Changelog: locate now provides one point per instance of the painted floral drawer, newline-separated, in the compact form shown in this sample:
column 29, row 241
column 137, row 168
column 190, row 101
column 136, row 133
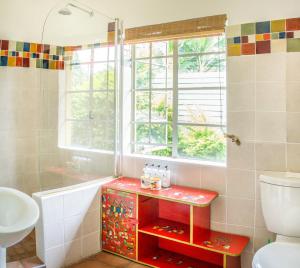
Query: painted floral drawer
column 119, row 222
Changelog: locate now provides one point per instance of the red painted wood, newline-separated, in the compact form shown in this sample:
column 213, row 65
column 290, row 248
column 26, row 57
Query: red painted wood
column 233, row 262
column 176, row 193
column 174, row 211
column 119, row 223
column 201, row 217
column 226, row 243
column 148, row 210
column 155, row 254
column 176, row 231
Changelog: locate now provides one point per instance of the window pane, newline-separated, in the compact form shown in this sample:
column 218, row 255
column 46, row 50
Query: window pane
column 111, row 76
column 162, row 73
column 158, row 134
column 103, row 105
column 201, row 142
column 142, row 106
column 142, row 74
column 111, row 52
column 78, row 134
column 201, row 71
column 142, row 50
column 159, row 49
column 160, row 103
column 103, row 135
column 201, row 45
column 202, row 106
column 78, row 105
column 80, row 77
column 142, row 133
column 154, row 150
column 100, row 76
column 80, row 56
column 101, row 54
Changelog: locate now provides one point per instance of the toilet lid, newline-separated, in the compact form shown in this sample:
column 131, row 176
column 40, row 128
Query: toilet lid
column 277, row 255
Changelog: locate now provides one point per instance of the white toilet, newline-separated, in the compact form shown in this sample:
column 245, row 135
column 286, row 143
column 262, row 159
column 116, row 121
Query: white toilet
column 280, row 197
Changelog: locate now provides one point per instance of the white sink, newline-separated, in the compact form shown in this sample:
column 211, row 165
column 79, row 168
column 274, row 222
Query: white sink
column 18, row 216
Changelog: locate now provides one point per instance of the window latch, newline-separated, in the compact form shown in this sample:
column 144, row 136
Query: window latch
column 233, row 138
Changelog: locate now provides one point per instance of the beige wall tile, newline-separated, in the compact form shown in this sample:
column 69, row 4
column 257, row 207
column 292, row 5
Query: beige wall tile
column 240, row 212
column 270, row 68
column 293, row 63
column 246, row 260
column 214, row 178
column 241, row 69
column 240, row 156
column 240, row 183
column 293, row 157
column 218, row 210
column 233, row 30
column 271, row 156
column 259, row 218
column 240, row 97
column 262, row 237
column 217, row 226
column 270, row 96
column 293, row 127
column 270, row 126
column 188, row 175
column 241, row 124
column 293, row 97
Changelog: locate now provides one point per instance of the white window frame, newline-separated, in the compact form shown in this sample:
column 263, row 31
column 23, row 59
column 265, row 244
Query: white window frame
column 175, row 91
column 64, row 137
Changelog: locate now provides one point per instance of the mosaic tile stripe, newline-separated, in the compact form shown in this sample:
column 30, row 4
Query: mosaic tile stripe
column 31, row 55
column 264, row 37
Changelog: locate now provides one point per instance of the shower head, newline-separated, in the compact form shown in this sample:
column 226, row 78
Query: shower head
column 66, row 10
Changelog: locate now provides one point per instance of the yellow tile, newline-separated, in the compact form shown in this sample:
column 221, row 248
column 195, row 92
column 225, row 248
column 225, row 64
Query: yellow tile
column 3, row 53
column 33, row 47
column 259, row 37
column 278, row 26
column 234, row 49
column 11, row 61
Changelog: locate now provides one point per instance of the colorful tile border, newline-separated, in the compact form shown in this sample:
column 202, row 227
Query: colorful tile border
column 263, row 37
column 24, row 54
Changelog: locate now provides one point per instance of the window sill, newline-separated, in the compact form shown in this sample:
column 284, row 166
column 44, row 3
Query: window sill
column 78, row 149
column 178, row 160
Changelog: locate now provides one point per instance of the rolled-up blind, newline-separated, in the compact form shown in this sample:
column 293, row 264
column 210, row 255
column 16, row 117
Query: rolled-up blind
column 197, row 27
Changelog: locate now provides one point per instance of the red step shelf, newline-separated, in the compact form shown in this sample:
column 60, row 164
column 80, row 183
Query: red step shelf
column 168, row 229
column 168, row 259
column 229, row 244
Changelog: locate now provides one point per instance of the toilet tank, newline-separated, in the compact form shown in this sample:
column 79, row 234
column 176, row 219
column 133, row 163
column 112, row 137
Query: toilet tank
column 280, row 199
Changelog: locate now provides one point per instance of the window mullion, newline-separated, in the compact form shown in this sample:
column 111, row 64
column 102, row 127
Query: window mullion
column 150, row 91
column 175, row 101
column 91, row 102
column 133, row 86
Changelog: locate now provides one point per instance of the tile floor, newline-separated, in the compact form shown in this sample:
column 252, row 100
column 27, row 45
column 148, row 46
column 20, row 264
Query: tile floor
column 106, row 260
column 23, row 250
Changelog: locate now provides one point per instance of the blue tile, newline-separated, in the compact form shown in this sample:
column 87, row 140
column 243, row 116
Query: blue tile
column 237, row 40
column 281, row 35
column 45, row 64
column 262, row 27
column 3, row 61
column 13, row 53
column 26, row 47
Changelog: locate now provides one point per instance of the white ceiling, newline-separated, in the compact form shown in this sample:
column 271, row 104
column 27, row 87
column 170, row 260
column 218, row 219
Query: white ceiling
column 23, row 19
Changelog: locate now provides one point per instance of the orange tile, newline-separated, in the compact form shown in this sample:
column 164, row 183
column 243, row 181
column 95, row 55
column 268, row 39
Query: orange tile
column 267, row 36
column 293, row 24
column 11, row 61
column 248, row 49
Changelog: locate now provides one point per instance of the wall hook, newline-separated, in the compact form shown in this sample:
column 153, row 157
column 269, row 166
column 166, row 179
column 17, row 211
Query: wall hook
column 233, row 138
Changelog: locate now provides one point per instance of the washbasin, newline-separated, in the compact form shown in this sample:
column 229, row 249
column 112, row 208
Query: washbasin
column 18, row 216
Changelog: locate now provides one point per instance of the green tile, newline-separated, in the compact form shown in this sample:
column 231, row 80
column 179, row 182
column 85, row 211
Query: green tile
column 293, row 45
column 39, row 63
column 19, row 46
column 230, row 41
column 59, row 50
column 275, row 36
column 248, row 28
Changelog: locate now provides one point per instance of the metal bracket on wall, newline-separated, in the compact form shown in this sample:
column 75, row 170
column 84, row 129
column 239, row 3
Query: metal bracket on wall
column 233, row 138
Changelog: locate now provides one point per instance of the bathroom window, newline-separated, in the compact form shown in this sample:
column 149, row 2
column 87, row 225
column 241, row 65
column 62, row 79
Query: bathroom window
column 88, row 100
column 178, row 97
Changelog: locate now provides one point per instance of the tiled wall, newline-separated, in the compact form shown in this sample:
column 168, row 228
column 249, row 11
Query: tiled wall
column 263, row 110
column 23, row 54
column 264, row 37
column 69, row 227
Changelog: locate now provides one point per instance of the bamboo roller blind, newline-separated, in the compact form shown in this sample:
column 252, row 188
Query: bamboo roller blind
column 206, row 26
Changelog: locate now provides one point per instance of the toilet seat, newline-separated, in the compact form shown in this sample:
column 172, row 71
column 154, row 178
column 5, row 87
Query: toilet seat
column 277, row 255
